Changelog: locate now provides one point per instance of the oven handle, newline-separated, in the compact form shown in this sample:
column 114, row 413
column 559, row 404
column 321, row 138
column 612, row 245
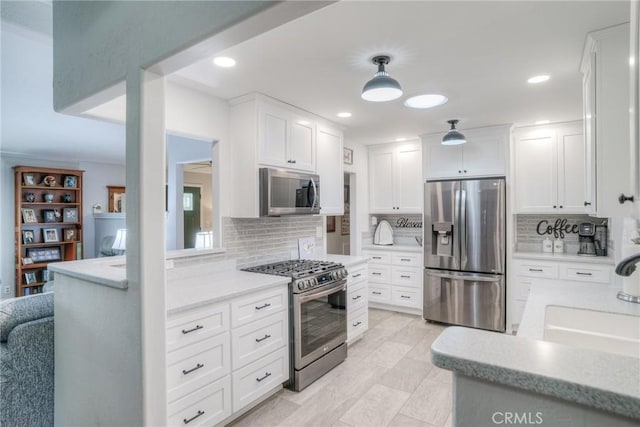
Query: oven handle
column 341, row 285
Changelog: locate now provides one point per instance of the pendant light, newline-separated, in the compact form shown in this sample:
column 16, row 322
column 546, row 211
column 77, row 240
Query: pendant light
column 381, row 87
column 453, row 137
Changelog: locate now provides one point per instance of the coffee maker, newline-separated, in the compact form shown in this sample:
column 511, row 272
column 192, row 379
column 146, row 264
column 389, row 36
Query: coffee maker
column 592, row 239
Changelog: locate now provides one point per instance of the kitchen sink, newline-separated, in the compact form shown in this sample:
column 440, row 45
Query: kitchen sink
column 598, row 330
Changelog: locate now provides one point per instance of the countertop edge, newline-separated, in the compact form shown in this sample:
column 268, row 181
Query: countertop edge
column 601, row 260
column 92, row 277
column 393, row 248
column 528, row 378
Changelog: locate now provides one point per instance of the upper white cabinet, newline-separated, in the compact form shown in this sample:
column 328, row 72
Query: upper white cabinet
column 484, row 154
column 330, row 169
column 549, row 169
column 395, row 178
column 610, row 168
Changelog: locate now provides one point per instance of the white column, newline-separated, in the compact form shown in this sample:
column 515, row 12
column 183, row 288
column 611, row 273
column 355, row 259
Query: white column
column 145, row 254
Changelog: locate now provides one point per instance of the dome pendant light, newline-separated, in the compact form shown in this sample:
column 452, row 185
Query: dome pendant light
column 453, row 137
column 381, row 87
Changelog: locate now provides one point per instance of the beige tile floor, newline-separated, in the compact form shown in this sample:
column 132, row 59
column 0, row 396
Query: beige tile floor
column 387, row 380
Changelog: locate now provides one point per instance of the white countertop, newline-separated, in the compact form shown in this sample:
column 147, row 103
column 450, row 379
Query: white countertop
column 103, row 271
column 346, row 260
column 394, row 248
column 564, row 258
column 593, row 378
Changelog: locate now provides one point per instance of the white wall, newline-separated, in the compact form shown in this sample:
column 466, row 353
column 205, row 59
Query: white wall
column 359, row 194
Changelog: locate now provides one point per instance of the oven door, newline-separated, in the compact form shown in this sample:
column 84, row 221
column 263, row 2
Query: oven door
column 288, row 193
column 319, row 322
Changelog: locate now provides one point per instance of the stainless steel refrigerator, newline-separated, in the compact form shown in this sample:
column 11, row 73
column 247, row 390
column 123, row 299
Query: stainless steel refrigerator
column 464, row 252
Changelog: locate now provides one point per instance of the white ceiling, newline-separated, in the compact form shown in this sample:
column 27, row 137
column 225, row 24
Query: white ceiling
column 479, row 54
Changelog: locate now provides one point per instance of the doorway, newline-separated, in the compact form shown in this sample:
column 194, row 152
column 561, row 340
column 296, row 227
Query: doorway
column 339, row 227
column 192, row 197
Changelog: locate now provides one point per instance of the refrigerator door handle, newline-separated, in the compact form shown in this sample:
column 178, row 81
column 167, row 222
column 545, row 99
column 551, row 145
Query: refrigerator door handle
column 463, row 276
column 456, row 229
column 462, row 226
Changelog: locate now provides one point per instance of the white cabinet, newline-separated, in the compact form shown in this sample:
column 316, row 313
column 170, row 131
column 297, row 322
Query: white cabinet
column 395, row 178
column 395, row 280
column 549, row 169
column 610, row 171
column 330, row 170
column 484, row 154
column 357, row 302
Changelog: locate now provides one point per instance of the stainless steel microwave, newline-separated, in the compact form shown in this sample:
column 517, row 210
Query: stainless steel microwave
column 284, row 192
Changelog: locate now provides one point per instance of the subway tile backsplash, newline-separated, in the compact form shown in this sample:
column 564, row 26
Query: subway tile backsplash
column 529, row 240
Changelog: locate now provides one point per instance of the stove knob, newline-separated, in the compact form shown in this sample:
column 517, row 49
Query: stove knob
column 344, row 273
column 307, row 284
column 300, row 285
column 311, row 284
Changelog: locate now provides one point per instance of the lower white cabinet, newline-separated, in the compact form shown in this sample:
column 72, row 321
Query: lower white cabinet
column 357, row 301
column 223, row 357
column 395, row 279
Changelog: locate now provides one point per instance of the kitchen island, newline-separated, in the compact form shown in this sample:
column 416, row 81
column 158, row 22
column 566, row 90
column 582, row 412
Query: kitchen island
column 530, row 377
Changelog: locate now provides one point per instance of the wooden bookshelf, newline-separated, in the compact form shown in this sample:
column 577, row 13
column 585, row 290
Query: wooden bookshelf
column 52, row 199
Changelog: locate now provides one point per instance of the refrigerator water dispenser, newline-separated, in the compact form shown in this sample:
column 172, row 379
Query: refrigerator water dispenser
column 442, row 235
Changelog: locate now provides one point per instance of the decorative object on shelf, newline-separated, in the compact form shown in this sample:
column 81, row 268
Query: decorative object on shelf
column 29, row 179
column 49, row 215
column 348, row 156
column 44, row 254
column 45, row 276
column 547, row 246
column 29, row 216
column 28, row 237
column 48, row 197
column 331, row 224
column 30, row 197
column 558, row 229
column 453, row 137
column 49, row 181
column 70, row 234
column 67, row 198
column 50, row 235
column 70, row 215
column 70, row 181
column 27, row 261
column 120, row 242
column 116, row 194
column 30, row 277
column 405, row 222
column 381, row 87
column 558, row 246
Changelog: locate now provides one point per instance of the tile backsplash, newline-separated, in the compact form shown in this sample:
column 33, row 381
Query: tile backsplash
column 528, row 239
column 405, row 227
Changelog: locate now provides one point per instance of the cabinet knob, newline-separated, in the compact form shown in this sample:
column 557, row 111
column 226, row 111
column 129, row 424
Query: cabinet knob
column 465, row 171
column 587, row 203
column 293, row 161
column 561, row 206
column 622, row 198
column 459, row 171
column 554, row 206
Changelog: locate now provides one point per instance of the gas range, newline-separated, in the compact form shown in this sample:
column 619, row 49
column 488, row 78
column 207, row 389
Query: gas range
column 306, row 275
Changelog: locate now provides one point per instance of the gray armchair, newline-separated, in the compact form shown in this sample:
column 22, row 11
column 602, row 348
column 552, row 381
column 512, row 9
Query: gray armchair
column 26, row 361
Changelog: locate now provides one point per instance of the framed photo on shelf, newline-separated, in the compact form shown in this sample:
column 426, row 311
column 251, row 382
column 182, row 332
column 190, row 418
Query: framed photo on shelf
column 29, row 216
column 70, row 234
column 28, row 236
column 44, row 254
column 50, row 235
column 28, row 179
column 70, row 215
column 30, row 277
column 45, row 276
column 27, row 261
column 348, row 156
column 70, row 181
column 49, row 215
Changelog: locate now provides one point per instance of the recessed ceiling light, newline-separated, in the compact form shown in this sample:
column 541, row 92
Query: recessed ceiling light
column 344, row 114
column 426, row 101
column 542, row 122
column 401, row 139
column 224, row 61
column 538, row 79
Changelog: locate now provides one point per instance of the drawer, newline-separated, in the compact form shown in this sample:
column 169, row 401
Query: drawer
column 409, row 297
column 258, row 306
column 252, row 341
column 357, row 296
column 586, row 273
column 376, row 257
column 407, row 260
column 406, row 276
column 206, row 406
column 197, row 324
column 535, row 269
column 380, row 273
column 189, row 368
column 258, row 378
column 379, row 293
column 357, row 323
column 357, row 274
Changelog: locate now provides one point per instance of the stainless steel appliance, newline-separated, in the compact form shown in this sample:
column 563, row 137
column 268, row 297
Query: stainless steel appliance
column 464, row 252
column 600, row 239
column 318, row 317
column 586, row 239
column 285, row 192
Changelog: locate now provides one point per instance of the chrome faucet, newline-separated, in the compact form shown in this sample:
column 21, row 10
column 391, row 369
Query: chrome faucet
column 625, row 268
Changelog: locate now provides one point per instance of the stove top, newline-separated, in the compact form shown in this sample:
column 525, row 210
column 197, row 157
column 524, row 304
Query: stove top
column 305, row 274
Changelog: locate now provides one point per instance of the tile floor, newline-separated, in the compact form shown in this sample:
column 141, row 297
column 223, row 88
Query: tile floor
column 387, row 380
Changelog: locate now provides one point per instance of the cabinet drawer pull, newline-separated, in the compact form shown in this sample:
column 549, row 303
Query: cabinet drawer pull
column 266, row 304
column 266, row 375
column 187, row 421
column 587, row 203
column 404, row 296
column 357, row 275
column 263, row 338
column 198, row 366
column 536, row 269
column 188, row 331
column 356, row 324
column 356, row 297
column 405, row 277
column 583, row 274
column 405, row 259
column 376, row 257
column 376, row 274
column 376, row 293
